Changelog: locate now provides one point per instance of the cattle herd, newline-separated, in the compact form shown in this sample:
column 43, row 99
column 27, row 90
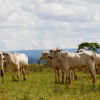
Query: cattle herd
column 65, row 63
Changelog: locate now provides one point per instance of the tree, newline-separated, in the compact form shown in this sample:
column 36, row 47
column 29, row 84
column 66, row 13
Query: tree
column 89, row 46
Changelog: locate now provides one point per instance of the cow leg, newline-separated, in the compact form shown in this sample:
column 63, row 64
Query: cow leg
column 26, row 70
column 5, row 67
column 58, row 76
column 2, row 75
column 2, row 72
column 62, row 77
column 18, row 71
column 68, row 77
column 24, row 74
column 13, row 72
column 74, row 75
column 93, row 73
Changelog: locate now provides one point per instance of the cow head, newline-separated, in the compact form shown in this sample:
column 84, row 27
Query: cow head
column 6, row 56
column 45, row 55
column 54, row 52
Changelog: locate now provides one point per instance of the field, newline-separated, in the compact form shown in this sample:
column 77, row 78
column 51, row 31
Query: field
column 40, row 86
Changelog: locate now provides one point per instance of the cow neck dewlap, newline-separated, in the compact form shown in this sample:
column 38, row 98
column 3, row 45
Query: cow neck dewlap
column 60, row 56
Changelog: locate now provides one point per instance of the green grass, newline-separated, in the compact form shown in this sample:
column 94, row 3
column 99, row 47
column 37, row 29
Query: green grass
column 40, row 86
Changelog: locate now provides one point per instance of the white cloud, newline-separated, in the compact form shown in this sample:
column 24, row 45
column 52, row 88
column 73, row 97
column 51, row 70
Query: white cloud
column 45, row 24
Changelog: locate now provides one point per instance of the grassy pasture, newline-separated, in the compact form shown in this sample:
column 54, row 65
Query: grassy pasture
column 40, row 86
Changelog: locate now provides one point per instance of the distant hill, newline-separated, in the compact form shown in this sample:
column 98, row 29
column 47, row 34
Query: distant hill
column 34, row 55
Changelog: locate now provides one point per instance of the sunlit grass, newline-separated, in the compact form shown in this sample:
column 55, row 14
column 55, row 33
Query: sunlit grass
column 40, row 86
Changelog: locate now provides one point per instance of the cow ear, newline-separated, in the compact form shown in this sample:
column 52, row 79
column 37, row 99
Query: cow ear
column 77, row 51
column 3, row 54
column 50, row 50
column 59, row 50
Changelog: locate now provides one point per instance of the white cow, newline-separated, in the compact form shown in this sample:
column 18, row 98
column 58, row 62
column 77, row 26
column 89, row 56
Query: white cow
column 75, row 60
column 97, row 60
column 53, row 64
column 16, row 62
column 1, row 67
column 97, row 57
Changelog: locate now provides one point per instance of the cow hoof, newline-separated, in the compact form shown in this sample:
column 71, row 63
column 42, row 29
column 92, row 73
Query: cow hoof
column 24, row 79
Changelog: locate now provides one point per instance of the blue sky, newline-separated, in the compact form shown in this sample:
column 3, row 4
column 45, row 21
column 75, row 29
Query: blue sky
column 46, row 24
